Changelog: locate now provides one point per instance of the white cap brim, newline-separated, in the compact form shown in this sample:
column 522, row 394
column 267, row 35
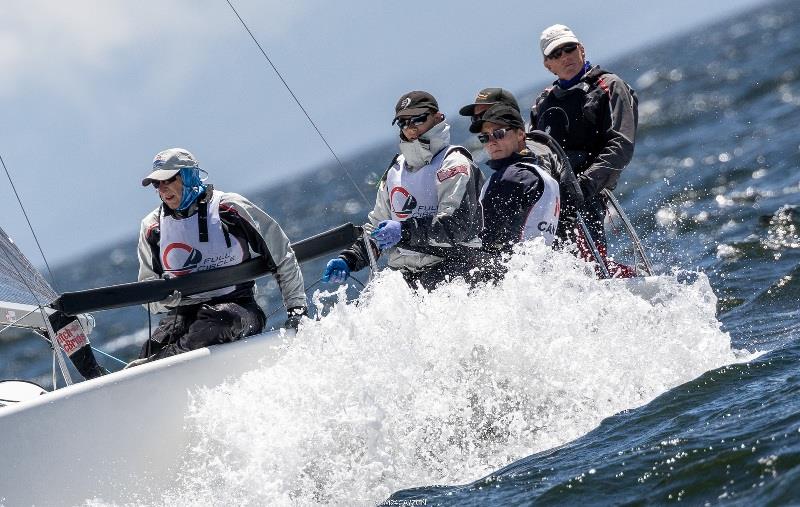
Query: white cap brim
column 159, row 175
column 559, row 42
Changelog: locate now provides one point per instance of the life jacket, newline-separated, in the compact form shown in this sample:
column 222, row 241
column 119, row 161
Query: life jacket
column 412, row 194
column 542, row 217
column 576, row 117
column 198, row 243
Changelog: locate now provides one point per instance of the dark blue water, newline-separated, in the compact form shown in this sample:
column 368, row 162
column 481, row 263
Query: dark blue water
column 714, row 186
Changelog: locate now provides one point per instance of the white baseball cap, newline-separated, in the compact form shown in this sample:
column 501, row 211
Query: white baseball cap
column 555, row 36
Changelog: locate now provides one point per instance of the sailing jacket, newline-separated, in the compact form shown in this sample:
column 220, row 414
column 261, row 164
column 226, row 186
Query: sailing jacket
column 170, row 244
column 520, row 201
column 595, row 121
column 437, row 205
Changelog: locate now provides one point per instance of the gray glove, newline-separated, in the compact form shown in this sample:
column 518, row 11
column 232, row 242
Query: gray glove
column 172, row 300
column 135, row 362
column 293, row 316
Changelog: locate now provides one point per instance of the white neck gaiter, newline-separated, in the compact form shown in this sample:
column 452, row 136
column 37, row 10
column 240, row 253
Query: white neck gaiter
column 420, row 152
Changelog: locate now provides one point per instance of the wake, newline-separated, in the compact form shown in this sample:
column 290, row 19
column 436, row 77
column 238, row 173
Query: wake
column 406, row 389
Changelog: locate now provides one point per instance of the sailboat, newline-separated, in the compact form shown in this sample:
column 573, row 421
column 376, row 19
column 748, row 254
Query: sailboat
column 139, row 412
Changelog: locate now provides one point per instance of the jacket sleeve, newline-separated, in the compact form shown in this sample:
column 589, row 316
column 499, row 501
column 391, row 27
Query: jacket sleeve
column 265, row 237
column 458, row 217
column 620, row 122
column 147, row 251
column 356, row 256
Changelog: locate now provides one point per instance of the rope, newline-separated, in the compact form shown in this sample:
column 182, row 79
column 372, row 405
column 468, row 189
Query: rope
column 349, row 176
column 14, row 188
column 311, row 287
column 109, row 355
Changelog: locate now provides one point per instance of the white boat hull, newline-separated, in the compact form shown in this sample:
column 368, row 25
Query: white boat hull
column 116, row 437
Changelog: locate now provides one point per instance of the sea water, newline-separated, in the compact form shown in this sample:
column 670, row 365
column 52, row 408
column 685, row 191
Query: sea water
column 402, row 388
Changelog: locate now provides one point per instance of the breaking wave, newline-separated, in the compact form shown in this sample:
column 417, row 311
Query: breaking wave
column 401, row 389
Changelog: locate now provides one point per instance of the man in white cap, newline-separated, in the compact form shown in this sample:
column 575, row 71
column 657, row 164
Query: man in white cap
column 593, row 114
column 196, row 228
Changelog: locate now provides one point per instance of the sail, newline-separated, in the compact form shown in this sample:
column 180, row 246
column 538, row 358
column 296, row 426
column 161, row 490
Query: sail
column 20, row 282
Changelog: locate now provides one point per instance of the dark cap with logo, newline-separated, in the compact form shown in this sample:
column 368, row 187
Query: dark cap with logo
column 490, row 96
column 414, row 104
column 500, row 114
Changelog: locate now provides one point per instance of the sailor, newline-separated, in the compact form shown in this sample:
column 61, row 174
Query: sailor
column 487, row 98
column 593, row 114
column 426, row 216
column 520, row 200
column 549, row 154
column 196, row 228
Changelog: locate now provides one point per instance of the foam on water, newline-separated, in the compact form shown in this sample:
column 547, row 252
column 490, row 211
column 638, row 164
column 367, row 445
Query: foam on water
column 406, row 389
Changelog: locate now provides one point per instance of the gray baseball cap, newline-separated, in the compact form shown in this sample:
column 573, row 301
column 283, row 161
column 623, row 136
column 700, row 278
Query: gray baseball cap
column 168, row 163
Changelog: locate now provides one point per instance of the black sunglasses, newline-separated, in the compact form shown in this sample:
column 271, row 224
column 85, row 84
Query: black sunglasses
column 566, row 48
column 414, row 121
column 496, row 134
column 156, row 184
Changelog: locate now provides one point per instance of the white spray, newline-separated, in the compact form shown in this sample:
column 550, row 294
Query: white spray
column 410, row 389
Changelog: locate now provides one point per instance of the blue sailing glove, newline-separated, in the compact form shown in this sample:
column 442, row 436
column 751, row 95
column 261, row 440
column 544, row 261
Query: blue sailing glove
column 336, row 271
column 388, row 234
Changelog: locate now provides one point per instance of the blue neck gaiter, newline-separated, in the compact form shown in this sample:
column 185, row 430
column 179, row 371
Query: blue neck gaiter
column 192, row 186
column 569, row 83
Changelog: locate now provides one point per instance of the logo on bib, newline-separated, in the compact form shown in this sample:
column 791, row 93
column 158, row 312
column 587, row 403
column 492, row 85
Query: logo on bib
column 180, row 259
column 402, row 203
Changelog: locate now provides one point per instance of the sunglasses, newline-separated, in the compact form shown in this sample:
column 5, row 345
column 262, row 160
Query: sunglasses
column 566, row 48
column 414, row 121
column 156, row 184
column 495, row 134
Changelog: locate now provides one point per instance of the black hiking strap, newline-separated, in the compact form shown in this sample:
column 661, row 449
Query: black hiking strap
column 202, row 216
column 202, row 221
column 567, row 180
column 227, row 234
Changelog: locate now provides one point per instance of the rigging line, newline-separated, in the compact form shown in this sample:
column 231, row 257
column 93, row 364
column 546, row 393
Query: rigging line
column 311, row 287
column 306, row 291
column 8, row 175
column 109, row 355
column 349, row 176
